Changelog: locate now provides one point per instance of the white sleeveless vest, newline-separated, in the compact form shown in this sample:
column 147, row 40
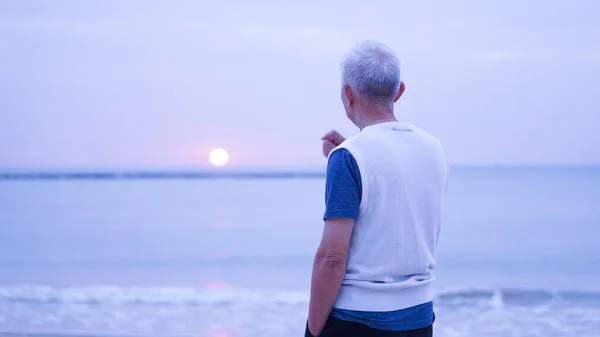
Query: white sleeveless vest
column 393, row 246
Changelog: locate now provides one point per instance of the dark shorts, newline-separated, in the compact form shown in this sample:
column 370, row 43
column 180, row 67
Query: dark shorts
column 338, row 328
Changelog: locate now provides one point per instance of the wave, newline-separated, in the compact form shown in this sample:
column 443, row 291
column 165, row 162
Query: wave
column 223, row 295
column 517, row 297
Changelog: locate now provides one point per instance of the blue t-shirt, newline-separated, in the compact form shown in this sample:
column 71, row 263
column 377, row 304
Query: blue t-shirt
column 343, row 192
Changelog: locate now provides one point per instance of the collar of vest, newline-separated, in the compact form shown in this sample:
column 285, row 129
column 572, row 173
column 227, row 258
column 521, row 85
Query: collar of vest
column 391, row 126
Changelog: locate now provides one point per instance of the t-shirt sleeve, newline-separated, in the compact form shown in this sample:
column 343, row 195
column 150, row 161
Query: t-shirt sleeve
column 343, row 189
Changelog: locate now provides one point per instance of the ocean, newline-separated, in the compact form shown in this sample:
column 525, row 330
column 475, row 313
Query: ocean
column 519, row 255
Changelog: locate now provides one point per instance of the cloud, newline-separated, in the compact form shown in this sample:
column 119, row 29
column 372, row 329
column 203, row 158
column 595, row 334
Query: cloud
column 540, row 55
column 215, row 29
column 503, row 55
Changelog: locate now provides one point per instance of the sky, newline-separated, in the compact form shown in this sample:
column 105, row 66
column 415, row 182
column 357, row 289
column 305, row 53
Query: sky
column 160, row 83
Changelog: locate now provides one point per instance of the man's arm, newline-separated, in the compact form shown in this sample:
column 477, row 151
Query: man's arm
column 328, row 271
column 342, row 201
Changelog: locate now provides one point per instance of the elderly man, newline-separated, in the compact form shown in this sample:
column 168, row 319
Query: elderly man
column 373, row 270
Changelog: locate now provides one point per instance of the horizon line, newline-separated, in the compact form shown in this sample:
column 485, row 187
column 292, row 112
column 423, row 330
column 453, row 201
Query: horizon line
column 215, row 173
column 172, row 167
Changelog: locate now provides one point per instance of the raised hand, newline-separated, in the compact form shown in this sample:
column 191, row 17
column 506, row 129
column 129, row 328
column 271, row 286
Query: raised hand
column 331, row 140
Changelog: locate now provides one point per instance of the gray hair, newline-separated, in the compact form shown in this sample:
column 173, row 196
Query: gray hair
column 372, row 70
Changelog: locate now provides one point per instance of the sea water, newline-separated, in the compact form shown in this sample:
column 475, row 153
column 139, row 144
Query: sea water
column 519, row 255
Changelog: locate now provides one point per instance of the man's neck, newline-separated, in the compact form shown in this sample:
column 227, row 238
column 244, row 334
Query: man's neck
column 377, row 120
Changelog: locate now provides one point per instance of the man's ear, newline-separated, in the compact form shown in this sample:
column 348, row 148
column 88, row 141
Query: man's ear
column 400, row 92
column 348, row 95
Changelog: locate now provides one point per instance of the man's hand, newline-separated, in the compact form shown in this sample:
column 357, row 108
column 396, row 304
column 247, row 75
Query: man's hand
column 331, row 140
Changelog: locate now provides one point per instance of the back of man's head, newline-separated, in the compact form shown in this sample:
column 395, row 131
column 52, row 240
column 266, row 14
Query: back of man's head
column 372, row 70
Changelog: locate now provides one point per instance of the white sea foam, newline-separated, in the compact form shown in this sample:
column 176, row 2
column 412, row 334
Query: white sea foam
column 223, row 295
column 109, row 310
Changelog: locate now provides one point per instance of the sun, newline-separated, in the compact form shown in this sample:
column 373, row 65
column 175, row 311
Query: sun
column 218, row 157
